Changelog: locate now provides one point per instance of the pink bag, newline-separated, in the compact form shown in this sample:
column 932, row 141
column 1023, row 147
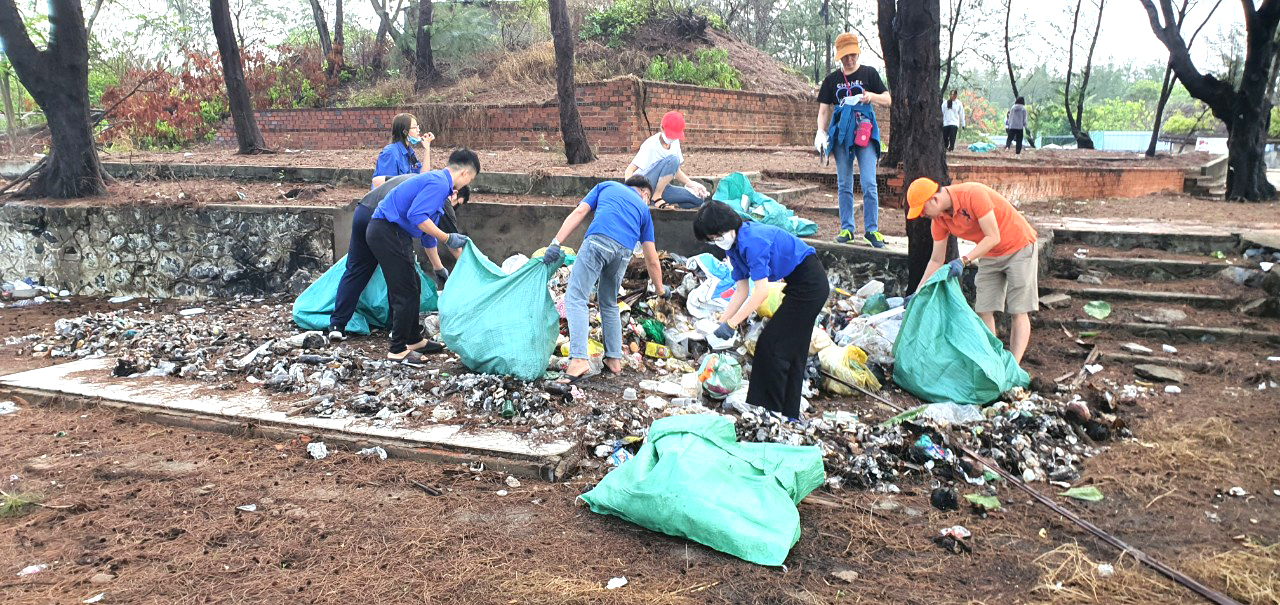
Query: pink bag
column 862, row 134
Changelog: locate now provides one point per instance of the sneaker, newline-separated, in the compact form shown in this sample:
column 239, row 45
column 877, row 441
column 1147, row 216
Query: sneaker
column 845, row 237
column 336, row 335
column 875, row 239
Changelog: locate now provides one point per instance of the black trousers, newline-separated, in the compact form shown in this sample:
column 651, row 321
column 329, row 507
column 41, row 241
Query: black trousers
column 360, row 267
column 1013, row 135
column 393, row 248
column 949, row 137
column 777, row 371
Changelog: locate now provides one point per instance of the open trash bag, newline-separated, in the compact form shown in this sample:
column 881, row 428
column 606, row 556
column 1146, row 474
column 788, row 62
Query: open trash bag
column 312, row 308
column 945, row 353
column 692, row 479
column 736, row 191
column 498, row 323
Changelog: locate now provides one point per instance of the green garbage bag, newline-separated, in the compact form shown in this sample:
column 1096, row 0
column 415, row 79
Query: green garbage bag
column 760, row 207
column 498, row 323
column 692, row 479
column 945, row 353
column 312, row 308
column 719, row 374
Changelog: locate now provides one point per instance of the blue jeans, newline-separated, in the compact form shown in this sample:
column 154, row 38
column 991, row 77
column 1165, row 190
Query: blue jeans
column 673, row 194
column 600, row 264
column 866, row 157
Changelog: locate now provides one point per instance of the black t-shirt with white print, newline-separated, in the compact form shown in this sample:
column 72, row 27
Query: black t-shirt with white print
column 836, row 86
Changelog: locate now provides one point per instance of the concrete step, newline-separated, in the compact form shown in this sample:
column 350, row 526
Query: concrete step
column 1174, row 240
column 1086, row 293
column 1149, row 269
column 787, row 195
column 1178, row 333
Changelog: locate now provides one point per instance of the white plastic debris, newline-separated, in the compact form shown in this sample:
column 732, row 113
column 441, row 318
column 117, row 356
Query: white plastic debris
column 95, row 598
column 8, row 407
column 119, row 300
column 955, row 531
column 33, row 569
column 374, row 451
column 1172, row 390
column 248, row 508
column 512, row 482
column 1093, row 368
column 616, row 583
column 1237, row 492
column 502, row 492
column 1266, row 266
column 191, row 312
column 317, row 450
column 1106, row 570
column 1170, row 349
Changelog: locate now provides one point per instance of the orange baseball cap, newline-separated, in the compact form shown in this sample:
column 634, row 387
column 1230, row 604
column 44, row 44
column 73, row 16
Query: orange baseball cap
column 918, row 193
column 673, row 125
column 847, row 44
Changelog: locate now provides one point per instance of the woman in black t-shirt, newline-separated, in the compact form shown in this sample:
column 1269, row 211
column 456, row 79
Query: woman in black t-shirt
column 853, row 88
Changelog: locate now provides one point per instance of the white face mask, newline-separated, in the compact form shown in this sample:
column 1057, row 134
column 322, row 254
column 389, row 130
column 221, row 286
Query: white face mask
column 725, row 241
column 663, row 138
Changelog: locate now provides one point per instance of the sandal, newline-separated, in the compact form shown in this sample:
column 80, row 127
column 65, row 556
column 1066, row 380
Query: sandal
column 613, row 371
column 408, row 356
column 426, row 346
column 571, row 380
column 661, row 204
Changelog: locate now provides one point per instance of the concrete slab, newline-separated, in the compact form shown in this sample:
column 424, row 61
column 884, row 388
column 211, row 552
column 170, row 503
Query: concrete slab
column 1267, row 238
column 183, row 404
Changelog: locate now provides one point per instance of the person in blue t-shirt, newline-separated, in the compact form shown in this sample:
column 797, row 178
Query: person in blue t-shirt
column 759, row 254
column 411, row 211
column 621, row 221
column 409, row 152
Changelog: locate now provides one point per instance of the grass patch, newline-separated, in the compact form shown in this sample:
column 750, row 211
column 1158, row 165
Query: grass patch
column 16, row 505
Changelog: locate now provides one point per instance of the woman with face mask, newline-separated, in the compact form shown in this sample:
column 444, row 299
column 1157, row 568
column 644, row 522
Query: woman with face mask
column 409, row 151
column 659, row 161
column 759, row 254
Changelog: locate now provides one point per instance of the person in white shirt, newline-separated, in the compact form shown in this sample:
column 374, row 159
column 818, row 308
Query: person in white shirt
column 952, row 121
column 659, row 161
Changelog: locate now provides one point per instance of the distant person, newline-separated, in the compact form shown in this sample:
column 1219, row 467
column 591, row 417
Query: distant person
column 952, row 121
column 1015, row 124
column 659, row 160
column 401, row 155
column 845, row 108
column 411, row 211
column 1006, row 244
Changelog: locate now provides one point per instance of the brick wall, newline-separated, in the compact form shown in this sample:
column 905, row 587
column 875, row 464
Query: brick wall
column 617, row 115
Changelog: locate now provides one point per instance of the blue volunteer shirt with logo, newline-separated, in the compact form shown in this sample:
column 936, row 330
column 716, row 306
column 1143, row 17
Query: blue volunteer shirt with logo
column 620, row 214
column 395, row 159
column 420, row 198
column 766, row 252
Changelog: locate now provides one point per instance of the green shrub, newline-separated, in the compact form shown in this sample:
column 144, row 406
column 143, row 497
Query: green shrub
column 709, row 67
column 614, row 23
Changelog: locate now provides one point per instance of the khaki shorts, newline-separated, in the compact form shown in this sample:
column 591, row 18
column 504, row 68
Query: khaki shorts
column 1008, row 283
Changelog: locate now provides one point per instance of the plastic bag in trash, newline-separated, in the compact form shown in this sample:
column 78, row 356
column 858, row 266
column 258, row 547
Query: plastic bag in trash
column 848, row 364
column 874, row 334
column 513, row 262
column 770, row 304
column 719, row 375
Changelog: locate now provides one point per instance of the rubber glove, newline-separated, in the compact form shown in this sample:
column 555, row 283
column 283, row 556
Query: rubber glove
column 442, row 274
column 955, row 268
column 457, row 240
column 723, row 331
column 552, row 256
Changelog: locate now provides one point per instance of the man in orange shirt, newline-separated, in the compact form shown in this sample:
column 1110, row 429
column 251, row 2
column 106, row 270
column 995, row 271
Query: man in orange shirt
column 1006, row 278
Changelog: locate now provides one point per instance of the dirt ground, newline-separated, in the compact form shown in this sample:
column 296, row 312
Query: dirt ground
column 1162, row 207
column 147, row 514
column 698, row 163
column 195, row 193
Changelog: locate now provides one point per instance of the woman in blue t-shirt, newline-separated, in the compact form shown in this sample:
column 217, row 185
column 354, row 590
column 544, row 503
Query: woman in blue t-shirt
column 401, row 155
column 759, row 254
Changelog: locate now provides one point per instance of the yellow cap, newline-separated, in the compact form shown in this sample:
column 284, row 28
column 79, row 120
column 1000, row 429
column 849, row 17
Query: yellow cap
column 847, row 44
column 918, row 193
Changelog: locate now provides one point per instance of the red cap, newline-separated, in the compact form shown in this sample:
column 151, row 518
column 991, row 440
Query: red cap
column 673, row 125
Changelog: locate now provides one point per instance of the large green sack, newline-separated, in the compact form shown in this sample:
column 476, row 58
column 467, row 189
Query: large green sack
column 498, row 323
column 693, row 480
column 312, row 308
column 945, row 353
column 760, row 207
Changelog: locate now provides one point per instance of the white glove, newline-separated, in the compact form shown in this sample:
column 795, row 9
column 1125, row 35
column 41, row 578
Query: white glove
column 820, row 140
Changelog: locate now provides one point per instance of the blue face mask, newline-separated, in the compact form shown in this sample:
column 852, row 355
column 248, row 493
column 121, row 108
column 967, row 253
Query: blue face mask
column 414, row 140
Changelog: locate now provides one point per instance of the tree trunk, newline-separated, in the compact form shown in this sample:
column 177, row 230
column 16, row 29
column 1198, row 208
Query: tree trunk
column 247, row 134
column 576, row 148
column 322, row 27
column 1008, row 56
column 1246, row 110
column 58, row 79
column 887, row 13
column 10, row 116
column 1166, row 89
column 826, row 30
column 919, row 137
column 424, row 69
column 953, row 22
column 336, row 61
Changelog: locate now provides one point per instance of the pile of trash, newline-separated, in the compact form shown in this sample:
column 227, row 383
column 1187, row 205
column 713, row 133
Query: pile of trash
column 28, row 292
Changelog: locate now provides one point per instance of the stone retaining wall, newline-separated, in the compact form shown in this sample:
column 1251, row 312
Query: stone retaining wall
column 181, row 252
column 617, row 115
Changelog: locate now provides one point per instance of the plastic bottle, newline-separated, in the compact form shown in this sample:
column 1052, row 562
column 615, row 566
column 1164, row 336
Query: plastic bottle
column 684, row 402
column 629, row 394
column 508, row 409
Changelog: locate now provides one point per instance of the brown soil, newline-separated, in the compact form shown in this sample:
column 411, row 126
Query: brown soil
column 199, row 192
column 155, row 508
column 1161, row 207
column 1068, row 250
column 1080, row 157
column 1208, row 285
